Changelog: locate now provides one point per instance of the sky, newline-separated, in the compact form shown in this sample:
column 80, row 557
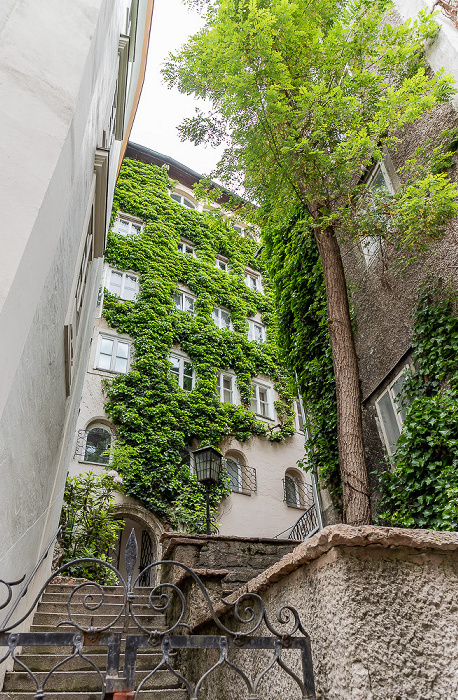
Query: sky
column 161, row 110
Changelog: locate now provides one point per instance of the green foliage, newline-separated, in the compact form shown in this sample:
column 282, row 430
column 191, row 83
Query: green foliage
column 422, row 491
column 157, row 420
column 89, row 528
column 312, row 94
column 291, row 255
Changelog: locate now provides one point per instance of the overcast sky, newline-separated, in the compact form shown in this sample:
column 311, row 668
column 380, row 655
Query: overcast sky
column 160, row 109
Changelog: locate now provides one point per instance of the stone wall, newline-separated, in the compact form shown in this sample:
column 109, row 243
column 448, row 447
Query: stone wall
column 379, row 605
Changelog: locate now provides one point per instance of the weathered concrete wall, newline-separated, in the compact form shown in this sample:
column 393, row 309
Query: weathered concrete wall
column 380, row 607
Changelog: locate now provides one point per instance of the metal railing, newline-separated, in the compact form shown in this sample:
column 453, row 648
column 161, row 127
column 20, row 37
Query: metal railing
column 23, row 591
column 247, row 617
column 306, row 525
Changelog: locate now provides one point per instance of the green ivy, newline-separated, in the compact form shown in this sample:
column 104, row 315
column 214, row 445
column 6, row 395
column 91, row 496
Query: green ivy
column 422, row 491
column 291, row 255
column 157, row 420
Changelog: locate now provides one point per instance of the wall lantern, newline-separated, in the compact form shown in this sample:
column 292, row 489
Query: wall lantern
column 208, row 463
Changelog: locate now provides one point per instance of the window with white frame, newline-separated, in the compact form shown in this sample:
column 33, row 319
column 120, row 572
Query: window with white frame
column 390, row 414
column 246, row 233
column 184, row 302
column 83, row 272
column 253, row 281
column 123, row 284
column 256, row 331
column 222, row 318
column 299, row 418
column 296, row 493
column 184, row 372
column 181, row 199
column 226, row 387
column 125, row 226
column 378, row 179
column 261, row 400
column 112, row 354
column 97, row 443
column 222, row 264
column 186, row 247
column 241, row 477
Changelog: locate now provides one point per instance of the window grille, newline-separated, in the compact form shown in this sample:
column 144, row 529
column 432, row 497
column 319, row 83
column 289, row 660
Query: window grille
column 242, row 478
column 296, row 493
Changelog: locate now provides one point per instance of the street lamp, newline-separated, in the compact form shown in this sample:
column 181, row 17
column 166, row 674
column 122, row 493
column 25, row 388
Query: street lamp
column 208, row 468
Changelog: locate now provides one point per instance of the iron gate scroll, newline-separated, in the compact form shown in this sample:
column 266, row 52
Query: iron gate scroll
column 248, row 613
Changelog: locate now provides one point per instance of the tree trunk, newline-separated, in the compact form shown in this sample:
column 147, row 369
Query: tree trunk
column 355, row 485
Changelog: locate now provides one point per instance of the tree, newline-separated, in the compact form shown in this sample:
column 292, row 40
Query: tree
column 306, row 95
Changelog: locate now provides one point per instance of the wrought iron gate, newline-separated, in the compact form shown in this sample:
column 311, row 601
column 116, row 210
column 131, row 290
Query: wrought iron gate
column 247, row 613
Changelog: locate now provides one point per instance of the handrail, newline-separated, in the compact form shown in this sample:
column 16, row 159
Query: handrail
column 308, row 517
column 27, row 583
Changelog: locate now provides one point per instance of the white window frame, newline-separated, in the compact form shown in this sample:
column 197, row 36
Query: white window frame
column 259, row 386
column 217, row 311
column 181, row 199
column 182, row 359
column 249, row 275
column 298, row 482
column 183, row 244
column 134, row 224
column 116, row 340
column 396, row 409
column 220, row 260
column 220, row 387
column 252, row 323
column 372, row 245
column 183, row 295
column 123, row 281
column 90, row 427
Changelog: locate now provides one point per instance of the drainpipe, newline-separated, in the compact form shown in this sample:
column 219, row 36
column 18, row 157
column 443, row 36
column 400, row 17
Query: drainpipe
column 316, row 496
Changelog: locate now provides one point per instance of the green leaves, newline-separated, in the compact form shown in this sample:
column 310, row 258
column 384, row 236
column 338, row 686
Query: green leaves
column 422, row 491
column 157, row 420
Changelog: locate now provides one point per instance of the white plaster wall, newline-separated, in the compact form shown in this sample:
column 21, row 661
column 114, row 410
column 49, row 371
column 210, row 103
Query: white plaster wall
column 58, row 66
column 263, row 513
column 443, row 51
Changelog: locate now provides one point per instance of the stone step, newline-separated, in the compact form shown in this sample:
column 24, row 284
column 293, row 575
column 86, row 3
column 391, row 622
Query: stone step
column 51, row 619
column 44, row 662
column 81, row 681
column 164, row 694
column 141, row 599
column 104, row 609
column 67, row 651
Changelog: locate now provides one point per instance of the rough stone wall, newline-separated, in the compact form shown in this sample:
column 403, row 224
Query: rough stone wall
column 380, row 607
column 232, row 561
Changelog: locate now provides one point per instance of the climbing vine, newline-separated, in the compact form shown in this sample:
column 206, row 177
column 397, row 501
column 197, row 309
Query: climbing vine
column 422, row 490
column 291, row 255
column 158, row 422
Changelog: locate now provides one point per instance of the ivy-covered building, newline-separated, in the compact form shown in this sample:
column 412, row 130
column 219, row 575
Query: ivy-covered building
column 184, row 353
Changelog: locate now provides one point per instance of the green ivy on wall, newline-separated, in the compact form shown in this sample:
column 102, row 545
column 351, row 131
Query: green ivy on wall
column 422, row 491
column 157, row 420
column 291, row 256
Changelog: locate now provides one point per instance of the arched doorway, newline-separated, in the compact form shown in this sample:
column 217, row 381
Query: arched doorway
column 148, row 530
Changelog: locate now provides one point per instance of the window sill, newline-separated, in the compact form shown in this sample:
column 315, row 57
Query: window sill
column 290, row 505
column 242, row 493
column 95, row 464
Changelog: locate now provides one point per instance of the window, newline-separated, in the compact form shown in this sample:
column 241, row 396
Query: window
column 112, row 354
column 390, row 414
column 242, row 478
column 379, row 178
column 83, row 272
column 252, row 281
column 182, row 200
column 183, row 370
column 222, row 264
column 256, row 331
column 185, row 247
column 299, row 418
column 123, row 284
column 225, row 385
column 97, row 443
column 126, row 227
column 239, row 229
column 184, row 302
column 295, row 492
column 222, row 318
column 260, row 401
column 244, row 232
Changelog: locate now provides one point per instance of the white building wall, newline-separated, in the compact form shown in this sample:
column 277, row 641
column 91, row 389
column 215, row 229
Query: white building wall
column 58, row 68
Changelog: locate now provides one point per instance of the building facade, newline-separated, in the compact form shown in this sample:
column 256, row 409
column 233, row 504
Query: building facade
column 72, row 75
column 200, row 294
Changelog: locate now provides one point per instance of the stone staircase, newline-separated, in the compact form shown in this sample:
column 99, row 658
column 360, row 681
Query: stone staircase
column 76, row 679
